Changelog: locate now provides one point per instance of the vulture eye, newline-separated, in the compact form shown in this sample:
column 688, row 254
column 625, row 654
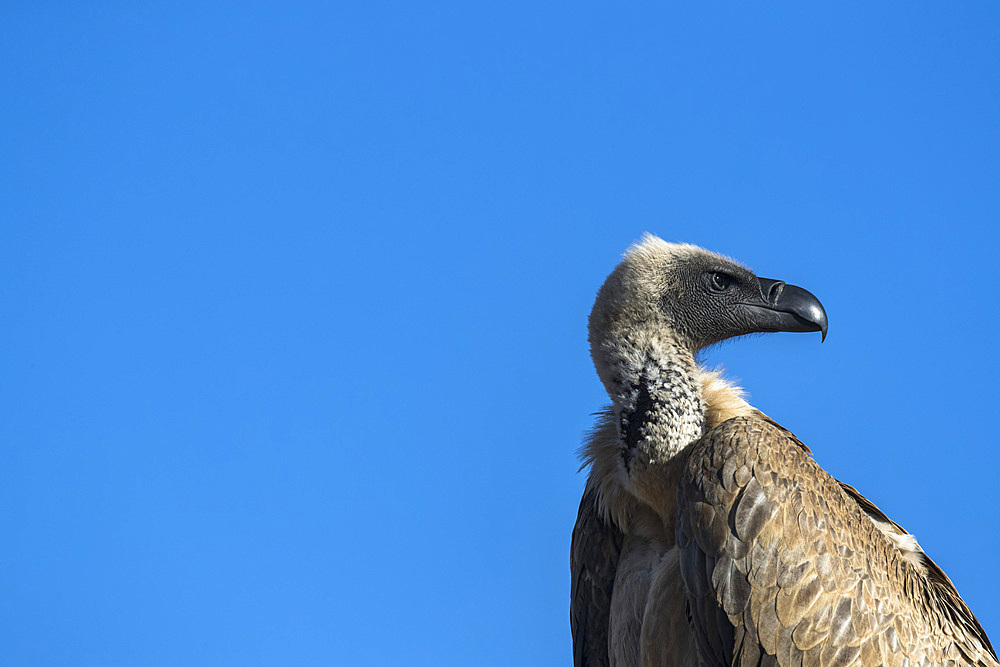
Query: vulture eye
column 720, row 282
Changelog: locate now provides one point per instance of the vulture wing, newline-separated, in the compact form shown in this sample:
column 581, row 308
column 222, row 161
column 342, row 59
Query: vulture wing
column 594, row 553
column 783, row 565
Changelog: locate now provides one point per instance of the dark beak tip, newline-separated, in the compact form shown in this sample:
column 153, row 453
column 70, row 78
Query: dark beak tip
column 821, row 321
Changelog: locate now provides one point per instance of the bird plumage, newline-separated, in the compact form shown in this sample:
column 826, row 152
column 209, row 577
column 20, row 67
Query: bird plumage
column 707, row 534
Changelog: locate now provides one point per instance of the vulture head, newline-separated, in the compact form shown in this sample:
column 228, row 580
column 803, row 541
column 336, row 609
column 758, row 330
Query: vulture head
column 693, row 298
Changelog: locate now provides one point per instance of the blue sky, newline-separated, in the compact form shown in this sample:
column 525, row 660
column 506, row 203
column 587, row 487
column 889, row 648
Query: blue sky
column 294, row 300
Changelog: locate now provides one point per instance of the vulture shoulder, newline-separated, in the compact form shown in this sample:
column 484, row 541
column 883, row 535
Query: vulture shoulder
column 784, row 565
column 597, row 547
column 594, row 553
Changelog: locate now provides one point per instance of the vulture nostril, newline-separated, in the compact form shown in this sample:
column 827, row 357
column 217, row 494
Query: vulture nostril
column 775, row 291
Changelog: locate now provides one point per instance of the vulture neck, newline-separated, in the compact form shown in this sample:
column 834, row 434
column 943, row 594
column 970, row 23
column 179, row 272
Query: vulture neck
column 657, row 395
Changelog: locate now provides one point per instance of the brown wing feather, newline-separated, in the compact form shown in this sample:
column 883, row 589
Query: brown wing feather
column 783, row 566
column 941, row 586
column 594, row 553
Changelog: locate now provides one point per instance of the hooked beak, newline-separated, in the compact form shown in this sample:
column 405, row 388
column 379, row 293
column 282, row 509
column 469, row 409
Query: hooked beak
column 785, row 307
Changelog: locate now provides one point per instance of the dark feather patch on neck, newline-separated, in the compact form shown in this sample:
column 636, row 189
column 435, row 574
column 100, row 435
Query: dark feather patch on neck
column 632, row 422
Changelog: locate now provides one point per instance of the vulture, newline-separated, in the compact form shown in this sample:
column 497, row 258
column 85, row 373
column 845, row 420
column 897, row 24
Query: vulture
column 707, row 534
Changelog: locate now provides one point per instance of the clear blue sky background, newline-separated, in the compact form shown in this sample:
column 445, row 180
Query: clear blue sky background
column 293, row 300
